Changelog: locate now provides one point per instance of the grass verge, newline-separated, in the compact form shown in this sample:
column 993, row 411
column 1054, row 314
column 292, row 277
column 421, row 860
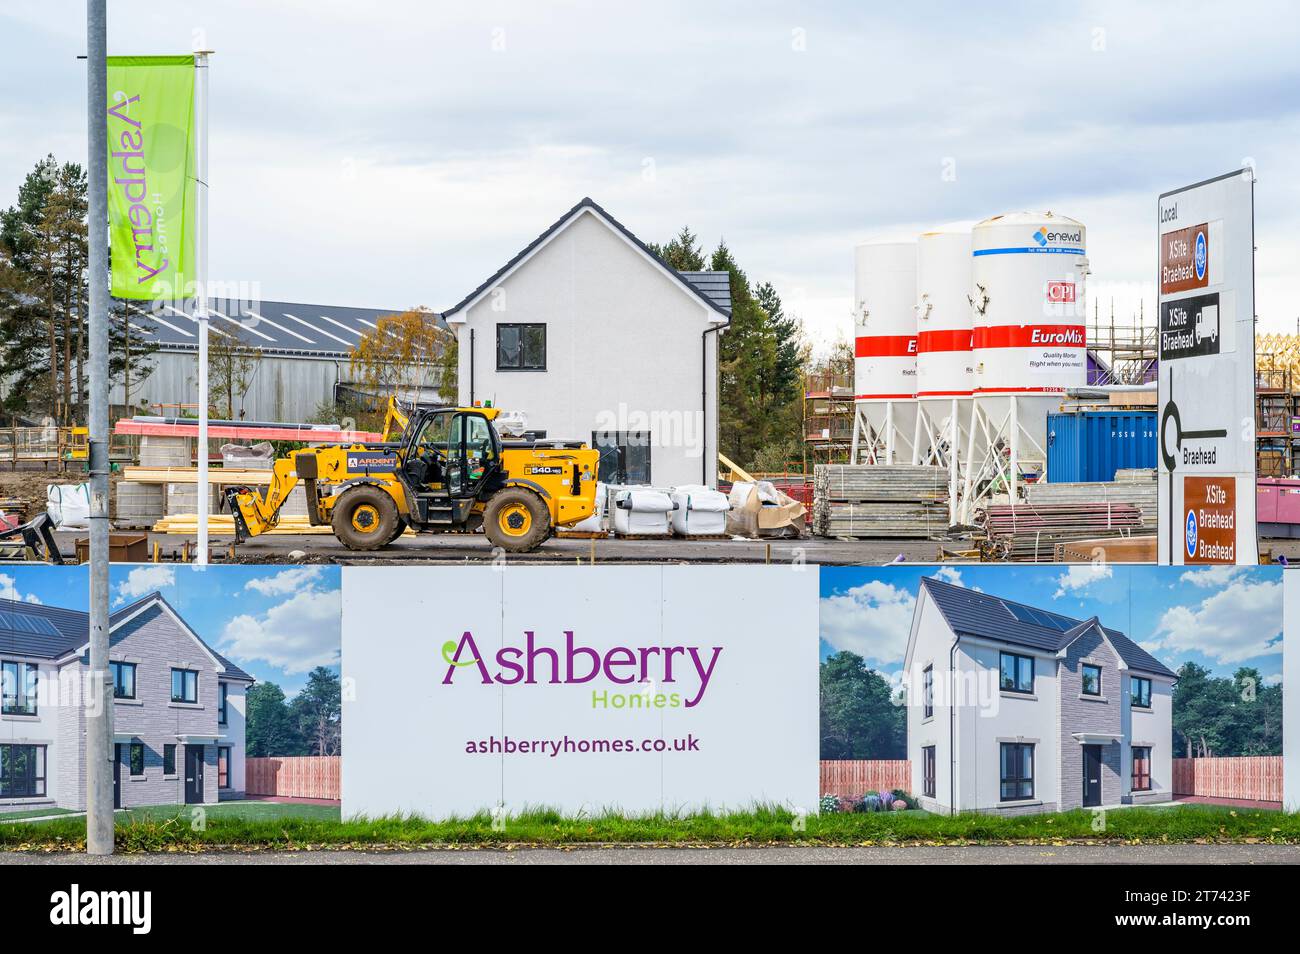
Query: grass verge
column 256, row 826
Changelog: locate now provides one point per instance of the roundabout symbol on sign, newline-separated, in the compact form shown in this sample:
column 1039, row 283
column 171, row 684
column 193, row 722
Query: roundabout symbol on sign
column 1168, row 452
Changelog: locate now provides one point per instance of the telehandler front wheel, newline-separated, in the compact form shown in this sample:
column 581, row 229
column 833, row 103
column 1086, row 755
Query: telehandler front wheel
column 365, row 518
column 516, row 520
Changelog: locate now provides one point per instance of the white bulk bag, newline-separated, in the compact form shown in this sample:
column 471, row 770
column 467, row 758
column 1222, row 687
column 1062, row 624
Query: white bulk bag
column 700, row 512
column 68, row 505
column 641, row 512
column 596, row 523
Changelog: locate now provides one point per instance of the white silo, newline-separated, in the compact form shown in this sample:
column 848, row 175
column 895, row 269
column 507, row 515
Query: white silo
column 944, row 365
column 1028, row 272
column 884, row 284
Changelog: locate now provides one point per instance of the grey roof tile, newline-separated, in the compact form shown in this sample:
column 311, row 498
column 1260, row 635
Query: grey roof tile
column 972, row 613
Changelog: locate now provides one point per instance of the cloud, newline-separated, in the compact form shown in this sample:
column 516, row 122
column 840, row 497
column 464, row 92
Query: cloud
column 286, row 581
column 950, row 574
column 1241, row 621
column 9, row 591
column 1080, row 576
column 872, row 620
column 1212, row 576
column 295, row 635
column 143, row 580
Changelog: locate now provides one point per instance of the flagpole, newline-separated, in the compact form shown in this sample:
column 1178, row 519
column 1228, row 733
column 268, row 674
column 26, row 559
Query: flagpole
column 99, row 710
column 201, row 275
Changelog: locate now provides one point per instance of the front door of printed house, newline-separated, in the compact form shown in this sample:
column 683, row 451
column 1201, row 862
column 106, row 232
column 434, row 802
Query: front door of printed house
column 1091, row 776
column 193, row 774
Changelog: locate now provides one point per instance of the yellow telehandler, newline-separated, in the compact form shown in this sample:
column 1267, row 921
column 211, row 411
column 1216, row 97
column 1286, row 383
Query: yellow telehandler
column 450, row 471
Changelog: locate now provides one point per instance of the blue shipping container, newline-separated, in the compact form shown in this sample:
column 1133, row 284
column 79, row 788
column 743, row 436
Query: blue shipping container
column 1089, row 446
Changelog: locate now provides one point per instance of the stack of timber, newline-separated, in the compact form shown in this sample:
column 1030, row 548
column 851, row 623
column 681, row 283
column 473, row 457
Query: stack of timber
column 223, row 525
column 1032, row 532
column 1135, row 493
column 865, row 501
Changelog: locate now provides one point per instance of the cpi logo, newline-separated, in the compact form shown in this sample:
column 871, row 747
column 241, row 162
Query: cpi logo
column 1192, row 533
column 1059, row 293
column 1202, row 255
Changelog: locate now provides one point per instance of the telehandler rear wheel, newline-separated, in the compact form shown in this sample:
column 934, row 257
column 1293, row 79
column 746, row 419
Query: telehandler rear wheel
column 365, row 518
column 516, row 520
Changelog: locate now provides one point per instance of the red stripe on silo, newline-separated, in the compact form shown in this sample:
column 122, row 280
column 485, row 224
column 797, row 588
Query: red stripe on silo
column 885, row 346
column 952, row 340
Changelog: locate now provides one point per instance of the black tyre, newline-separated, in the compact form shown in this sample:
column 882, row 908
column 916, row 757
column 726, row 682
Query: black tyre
column 517, row 520
column 365, row 518
column 399, row 530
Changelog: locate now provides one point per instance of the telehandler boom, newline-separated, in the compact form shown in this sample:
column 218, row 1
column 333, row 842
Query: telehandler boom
column 450, row 471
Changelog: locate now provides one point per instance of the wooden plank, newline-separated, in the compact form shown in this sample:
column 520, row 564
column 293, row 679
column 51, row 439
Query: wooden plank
column 287, row 432
column 1252, row 777
column 294, row 777
column 850, row 778
column 190, row 475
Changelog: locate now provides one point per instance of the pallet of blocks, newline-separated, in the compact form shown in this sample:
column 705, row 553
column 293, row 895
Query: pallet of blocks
column 880, row 501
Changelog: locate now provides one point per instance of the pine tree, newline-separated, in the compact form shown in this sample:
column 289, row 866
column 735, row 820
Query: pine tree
column 683, row 252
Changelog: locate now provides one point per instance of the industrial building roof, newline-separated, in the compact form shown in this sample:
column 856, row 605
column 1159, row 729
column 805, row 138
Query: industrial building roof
column 972, row 613
column 276, row 327
column 713, row 288
column 37, row 631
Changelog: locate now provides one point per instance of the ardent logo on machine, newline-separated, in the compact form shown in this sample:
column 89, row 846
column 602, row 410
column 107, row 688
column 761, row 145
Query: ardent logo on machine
column 1044, row 237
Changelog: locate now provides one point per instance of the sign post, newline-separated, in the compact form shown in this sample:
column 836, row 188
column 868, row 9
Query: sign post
column 1206, row 278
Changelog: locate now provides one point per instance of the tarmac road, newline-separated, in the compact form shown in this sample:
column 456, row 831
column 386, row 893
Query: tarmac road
column 782, row 855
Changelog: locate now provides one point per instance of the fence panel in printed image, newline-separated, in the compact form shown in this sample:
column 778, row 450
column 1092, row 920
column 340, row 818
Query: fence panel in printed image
column 853, row 777
column 297, row 777
column 1254, row 777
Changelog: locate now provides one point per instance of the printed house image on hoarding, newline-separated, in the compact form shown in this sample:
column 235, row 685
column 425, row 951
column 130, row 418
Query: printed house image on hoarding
column 178, row 709
column 1015, row 709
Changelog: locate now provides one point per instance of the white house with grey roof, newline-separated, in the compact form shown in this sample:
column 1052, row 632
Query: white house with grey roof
column 304, row 354
column 594, row 337
column 178, row 709
column 1013, row 709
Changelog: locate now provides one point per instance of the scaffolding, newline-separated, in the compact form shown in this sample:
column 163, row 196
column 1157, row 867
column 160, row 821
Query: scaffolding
column 827, row 419
column 1122, row 353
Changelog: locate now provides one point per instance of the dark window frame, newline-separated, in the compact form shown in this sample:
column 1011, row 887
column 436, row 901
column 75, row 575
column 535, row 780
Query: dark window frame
column 613, row 447
column 223, row 700
column 1141, row 782
column 132, row 750
column 1135, row 694
column 1015, row 687
column 929, row 771
column 1020, row 778
column 227, row 750
column 522, row 366
column 1083, row 679
column 169, row 759
column 927, row 692
column 115, row 667
column 24, row 703
column 182, row 698
column 36, row 781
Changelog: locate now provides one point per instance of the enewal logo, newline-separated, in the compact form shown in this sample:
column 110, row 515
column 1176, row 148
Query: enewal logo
column 1041, row 237
column 534, row 663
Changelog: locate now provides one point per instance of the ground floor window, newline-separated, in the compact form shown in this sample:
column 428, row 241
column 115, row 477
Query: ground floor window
column 169, row 760
column 223, row 766
column 1141, row 768
column 1017, row 771
column 927, row 771
column 135, row 756
column 624, row 456
column 22, row 771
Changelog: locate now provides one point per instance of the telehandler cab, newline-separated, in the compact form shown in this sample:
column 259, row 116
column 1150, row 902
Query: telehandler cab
column 451, row 471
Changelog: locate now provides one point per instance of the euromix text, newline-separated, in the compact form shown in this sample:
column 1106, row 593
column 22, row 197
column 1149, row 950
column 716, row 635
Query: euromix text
column 623, row 679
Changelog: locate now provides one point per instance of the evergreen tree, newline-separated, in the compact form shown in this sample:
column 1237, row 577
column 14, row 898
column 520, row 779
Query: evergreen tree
column 859, row 716
column 271, row 729
column 318, row 712
column 683, row 252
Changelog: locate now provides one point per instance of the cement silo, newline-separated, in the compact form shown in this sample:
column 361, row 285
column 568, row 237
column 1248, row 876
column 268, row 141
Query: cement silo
column 944, row 364
column 1028, row 272
column 885, row 352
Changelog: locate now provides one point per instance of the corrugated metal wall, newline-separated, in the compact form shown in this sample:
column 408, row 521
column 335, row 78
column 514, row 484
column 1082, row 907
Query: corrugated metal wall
column 1090, row 446
column 283, row 388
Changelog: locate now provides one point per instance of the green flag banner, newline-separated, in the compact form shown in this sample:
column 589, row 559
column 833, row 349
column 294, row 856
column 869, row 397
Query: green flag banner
column 151, row 176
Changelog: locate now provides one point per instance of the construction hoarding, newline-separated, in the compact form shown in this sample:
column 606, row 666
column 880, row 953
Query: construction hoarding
column 646, row 688
column 1206, row 275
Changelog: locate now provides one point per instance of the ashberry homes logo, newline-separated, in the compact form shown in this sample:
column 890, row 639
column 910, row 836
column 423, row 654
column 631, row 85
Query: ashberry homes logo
column 94, row 908
column 682, row 673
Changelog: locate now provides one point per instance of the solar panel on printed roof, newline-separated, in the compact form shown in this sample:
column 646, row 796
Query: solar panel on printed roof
column 1028, row 614
column 23, row 623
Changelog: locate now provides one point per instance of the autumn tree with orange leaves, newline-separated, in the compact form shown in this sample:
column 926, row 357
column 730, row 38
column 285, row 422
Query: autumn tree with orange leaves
column 405, row 353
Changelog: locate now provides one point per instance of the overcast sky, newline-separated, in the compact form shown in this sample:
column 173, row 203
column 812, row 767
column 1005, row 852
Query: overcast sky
column 392, row 154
